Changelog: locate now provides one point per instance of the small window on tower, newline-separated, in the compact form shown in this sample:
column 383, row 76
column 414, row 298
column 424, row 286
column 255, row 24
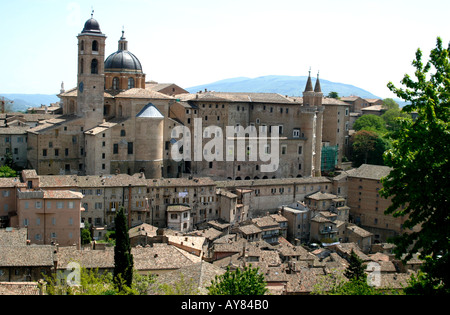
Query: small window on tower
column 94, row 66
column 81, row 66
column 94, row 45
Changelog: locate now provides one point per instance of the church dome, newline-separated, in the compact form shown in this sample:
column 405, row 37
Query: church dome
column 91, row 26
column 123, row 61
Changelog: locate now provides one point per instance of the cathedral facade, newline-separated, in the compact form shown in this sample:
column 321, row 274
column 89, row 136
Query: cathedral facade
column 115, row 122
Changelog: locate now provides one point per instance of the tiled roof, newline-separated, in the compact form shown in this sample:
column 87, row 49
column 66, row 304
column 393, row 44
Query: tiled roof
column 321, row 196
column 241, row 97
column 271, row 182
column 14, row 130
column 9, row 182
column 143, row 93
column 333, row 101
column 13, row 237
column 159, row 257
column 249, row 229
column 183, row 182
column 91, row 181
column 29, row 174
column 62, row 194
column 359, row 231
column 26, row 256
column 265, row 222
column 19, row 288
column 177, row 208
column 102, row 259
column 53, row 123
column 369, row 171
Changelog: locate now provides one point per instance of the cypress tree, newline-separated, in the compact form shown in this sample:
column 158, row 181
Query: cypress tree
column 355, row 270
column 123, row 259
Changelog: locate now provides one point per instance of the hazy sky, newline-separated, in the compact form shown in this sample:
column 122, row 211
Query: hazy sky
column 191, row 42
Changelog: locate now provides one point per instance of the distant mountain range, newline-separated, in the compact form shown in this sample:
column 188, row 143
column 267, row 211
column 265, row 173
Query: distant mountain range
column 23, row 101
column 281, row 84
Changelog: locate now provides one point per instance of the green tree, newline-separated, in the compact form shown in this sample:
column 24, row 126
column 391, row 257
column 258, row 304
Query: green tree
column 333, row 95
column 389, row 103
column 86, row 236
column 368, row 148
column 419, row 181
column 239, row 282
column 355, row 269
column 123, row 259
column 370, row 123
column 6, row 171
column 92, row 282
column 391, row 118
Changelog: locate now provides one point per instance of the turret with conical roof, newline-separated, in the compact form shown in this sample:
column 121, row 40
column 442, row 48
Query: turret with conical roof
column 318, row 95
column 312, row 97
column 308, row 94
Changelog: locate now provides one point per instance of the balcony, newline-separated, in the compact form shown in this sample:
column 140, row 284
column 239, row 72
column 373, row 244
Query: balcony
column 328, row 230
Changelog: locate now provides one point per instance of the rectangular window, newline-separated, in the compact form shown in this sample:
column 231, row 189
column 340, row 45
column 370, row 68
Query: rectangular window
column 130, row 147
column 116, row 148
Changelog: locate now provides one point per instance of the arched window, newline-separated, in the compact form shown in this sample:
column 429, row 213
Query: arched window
column 94, row 66
column 94, row 45
column 115, row 84
column 82, row 45
column 81, row 66
column 130, row 83
column 120, row 111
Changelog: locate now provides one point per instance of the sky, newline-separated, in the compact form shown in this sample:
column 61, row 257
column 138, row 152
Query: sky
column 364, row 43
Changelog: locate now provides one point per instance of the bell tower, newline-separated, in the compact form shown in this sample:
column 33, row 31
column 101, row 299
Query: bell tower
column 91, row 73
